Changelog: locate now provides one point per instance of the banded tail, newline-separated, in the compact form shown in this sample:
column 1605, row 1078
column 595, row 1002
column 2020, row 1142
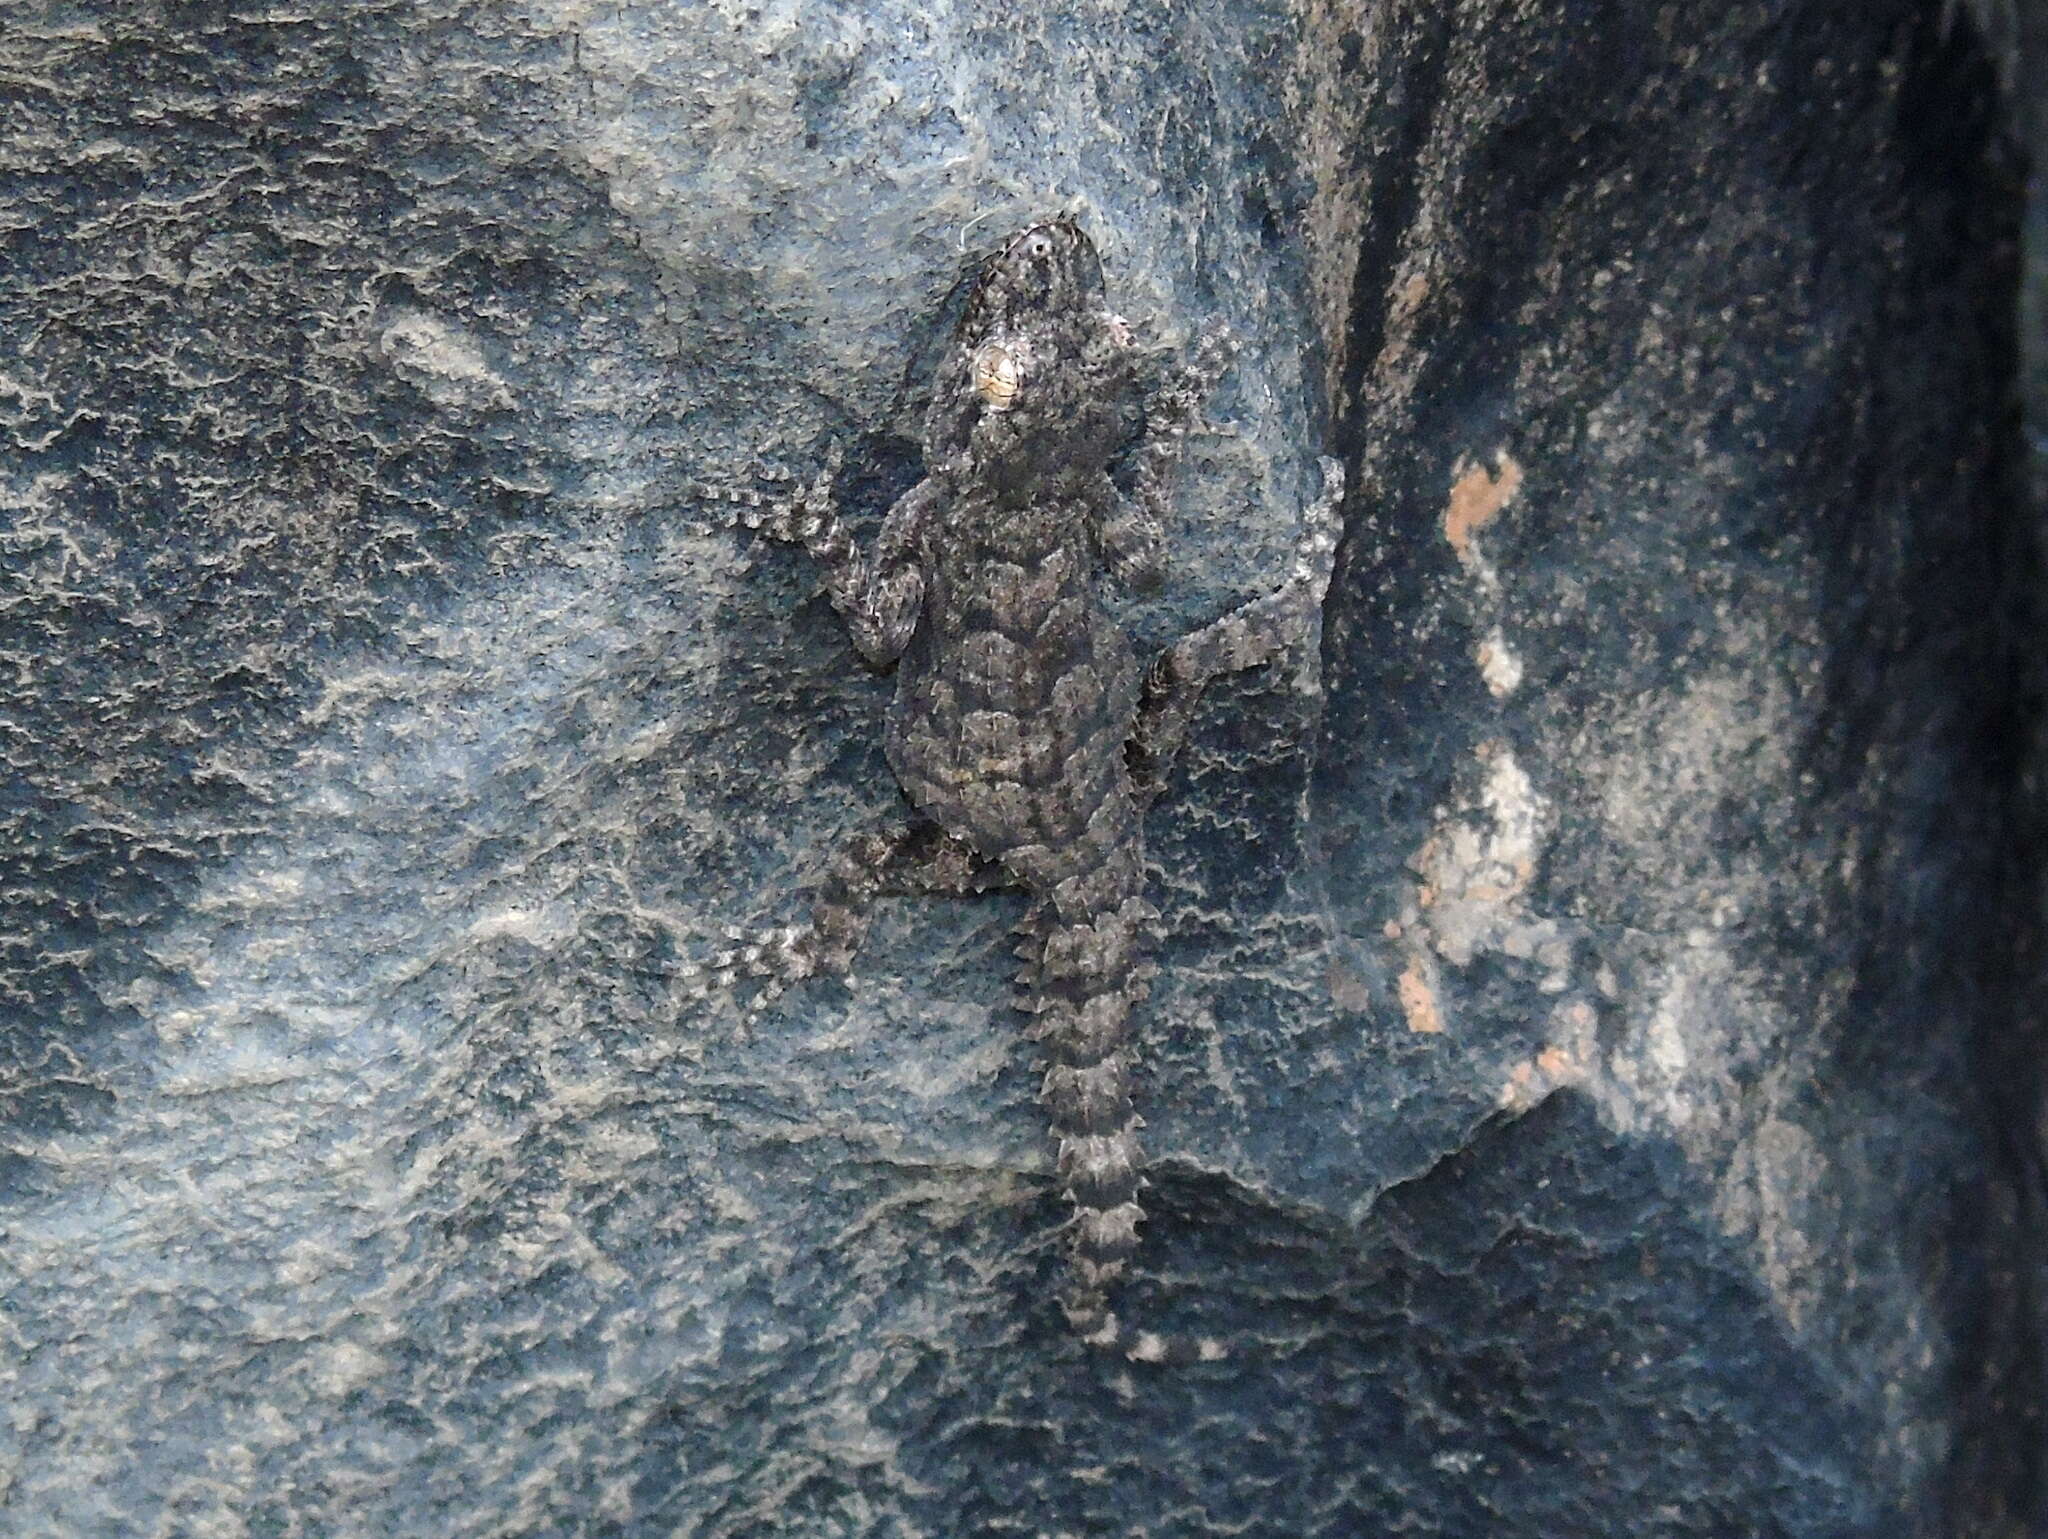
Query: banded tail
column 1080, row 980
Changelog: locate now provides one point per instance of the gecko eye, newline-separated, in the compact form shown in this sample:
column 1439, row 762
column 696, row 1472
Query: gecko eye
column 997, row 374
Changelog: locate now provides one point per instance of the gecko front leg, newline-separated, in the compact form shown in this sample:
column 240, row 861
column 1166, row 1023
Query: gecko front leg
column 1249, row 635
column 1170, row 411
column 1130, row 531
column 879, row 598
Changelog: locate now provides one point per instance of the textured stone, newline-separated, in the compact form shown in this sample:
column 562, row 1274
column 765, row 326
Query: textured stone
column 1566, row 1060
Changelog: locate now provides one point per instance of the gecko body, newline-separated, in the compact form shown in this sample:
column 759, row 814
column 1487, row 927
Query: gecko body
column 1026, row 735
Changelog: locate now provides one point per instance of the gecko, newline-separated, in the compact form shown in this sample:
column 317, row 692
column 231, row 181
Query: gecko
column 1026, row 736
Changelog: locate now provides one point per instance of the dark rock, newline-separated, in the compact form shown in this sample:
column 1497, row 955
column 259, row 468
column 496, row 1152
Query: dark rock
column 1567, row 1066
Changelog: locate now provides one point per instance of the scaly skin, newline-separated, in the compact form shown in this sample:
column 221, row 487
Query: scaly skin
column 1023, row 730
column 1016, row 695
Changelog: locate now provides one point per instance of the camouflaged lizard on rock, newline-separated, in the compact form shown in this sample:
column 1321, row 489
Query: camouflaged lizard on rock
column 1026, row 736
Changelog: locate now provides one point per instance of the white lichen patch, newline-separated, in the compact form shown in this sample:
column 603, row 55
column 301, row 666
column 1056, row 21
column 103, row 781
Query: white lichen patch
column 1655, row 1067
column 1476, row 868
column 1673, row 764
column 1499, row 665
column 1474, row 873
column 444, row 361
column 1669, row 1048
column 1765, row 1193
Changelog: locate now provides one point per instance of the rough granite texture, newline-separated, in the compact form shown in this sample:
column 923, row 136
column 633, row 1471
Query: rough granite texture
column 1566, row 1070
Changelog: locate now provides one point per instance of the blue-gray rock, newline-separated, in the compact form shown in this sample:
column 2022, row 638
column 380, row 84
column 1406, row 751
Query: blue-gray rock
column 1566, row 1069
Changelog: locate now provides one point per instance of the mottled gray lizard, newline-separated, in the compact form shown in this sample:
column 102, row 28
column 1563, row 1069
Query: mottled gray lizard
column 1027, row 738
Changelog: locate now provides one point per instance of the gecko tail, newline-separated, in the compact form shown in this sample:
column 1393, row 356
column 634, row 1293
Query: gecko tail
column 1080, row 979
column 1085, row 1303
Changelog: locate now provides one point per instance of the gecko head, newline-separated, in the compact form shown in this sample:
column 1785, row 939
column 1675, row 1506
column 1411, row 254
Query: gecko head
column 1033, row 399
column 1045, row 271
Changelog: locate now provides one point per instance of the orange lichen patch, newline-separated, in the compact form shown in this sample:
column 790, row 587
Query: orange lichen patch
column 1520, row 1092
column 1477, row 496
column 1529, row 1082
column 1403, row 303
column 1412, row 294
column 1568, row 1061
column 1418, row 999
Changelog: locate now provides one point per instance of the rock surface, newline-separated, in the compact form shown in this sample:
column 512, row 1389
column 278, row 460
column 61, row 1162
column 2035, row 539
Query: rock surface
column 1567, row 1066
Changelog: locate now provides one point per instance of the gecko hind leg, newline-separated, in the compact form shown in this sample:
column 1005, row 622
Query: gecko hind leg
column 905, row 859
column 1251, row 634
